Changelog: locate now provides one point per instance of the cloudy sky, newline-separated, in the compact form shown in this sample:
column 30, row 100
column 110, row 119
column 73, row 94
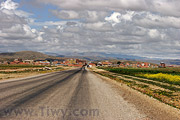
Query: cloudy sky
column 149, row 28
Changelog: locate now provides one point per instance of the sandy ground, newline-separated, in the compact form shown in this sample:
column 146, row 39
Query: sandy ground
column 17, row 75
column 27, row 74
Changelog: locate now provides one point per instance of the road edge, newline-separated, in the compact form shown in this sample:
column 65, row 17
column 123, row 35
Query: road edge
column 167, row 109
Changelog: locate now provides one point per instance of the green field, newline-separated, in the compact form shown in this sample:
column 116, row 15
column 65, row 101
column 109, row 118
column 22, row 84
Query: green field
column 133, row 71
column 168, row 75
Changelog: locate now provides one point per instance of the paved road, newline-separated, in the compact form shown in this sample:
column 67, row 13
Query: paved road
column 77, row 95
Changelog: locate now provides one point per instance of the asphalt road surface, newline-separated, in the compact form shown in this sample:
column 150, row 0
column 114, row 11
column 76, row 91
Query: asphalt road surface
column 77, row 94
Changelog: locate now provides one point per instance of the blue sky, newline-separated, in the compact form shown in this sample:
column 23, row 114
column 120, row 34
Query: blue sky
column 41, row 14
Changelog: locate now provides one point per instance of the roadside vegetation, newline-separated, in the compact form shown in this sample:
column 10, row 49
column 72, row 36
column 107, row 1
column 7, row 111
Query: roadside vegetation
column 168, row 75
column 133, row 71
column 160, row 83
column 173, row 79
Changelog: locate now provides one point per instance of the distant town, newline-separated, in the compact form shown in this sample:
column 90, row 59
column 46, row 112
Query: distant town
column 80, row 63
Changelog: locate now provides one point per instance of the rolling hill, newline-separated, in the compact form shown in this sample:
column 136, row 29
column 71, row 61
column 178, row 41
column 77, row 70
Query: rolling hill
column 31, row 55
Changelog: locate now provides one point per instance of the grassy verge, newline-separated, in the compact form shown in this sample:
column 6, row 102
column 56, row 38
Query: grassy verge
column 169, row 94
column 169, row 87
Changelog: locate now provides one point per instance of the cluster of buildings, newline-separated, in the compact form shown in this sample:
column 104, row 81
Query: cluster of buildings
column 73, row 63
column 48, row 62
column 127, row 64
column 79, row 63
column 30, row 62
column 138, row 65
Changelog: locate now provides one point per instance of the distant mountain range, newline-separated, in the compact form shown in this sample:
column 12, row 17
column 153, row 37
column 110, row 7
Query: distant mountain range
column 90, row 56
column 31, row 55
column 97, row 56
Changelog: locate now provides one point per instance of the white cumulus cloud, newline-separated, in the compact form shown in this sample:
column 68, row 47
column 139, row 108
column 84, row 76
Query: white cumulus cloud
column 9, row 5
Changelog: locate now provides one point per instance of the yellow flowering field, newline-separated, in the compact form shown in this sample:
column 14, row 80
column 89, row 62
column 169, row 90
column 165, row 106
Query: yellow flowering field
column 162, row 77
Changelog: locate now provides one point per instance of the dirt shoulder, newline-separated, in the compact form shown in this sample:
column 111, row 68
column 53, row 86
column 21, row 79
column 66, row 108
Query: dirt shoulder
column 147, row 98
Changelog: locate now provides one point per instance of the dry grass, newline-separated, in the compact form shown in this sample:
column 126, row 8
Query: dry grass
column 17, row 75
column 20, row 73
column 160, row 91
